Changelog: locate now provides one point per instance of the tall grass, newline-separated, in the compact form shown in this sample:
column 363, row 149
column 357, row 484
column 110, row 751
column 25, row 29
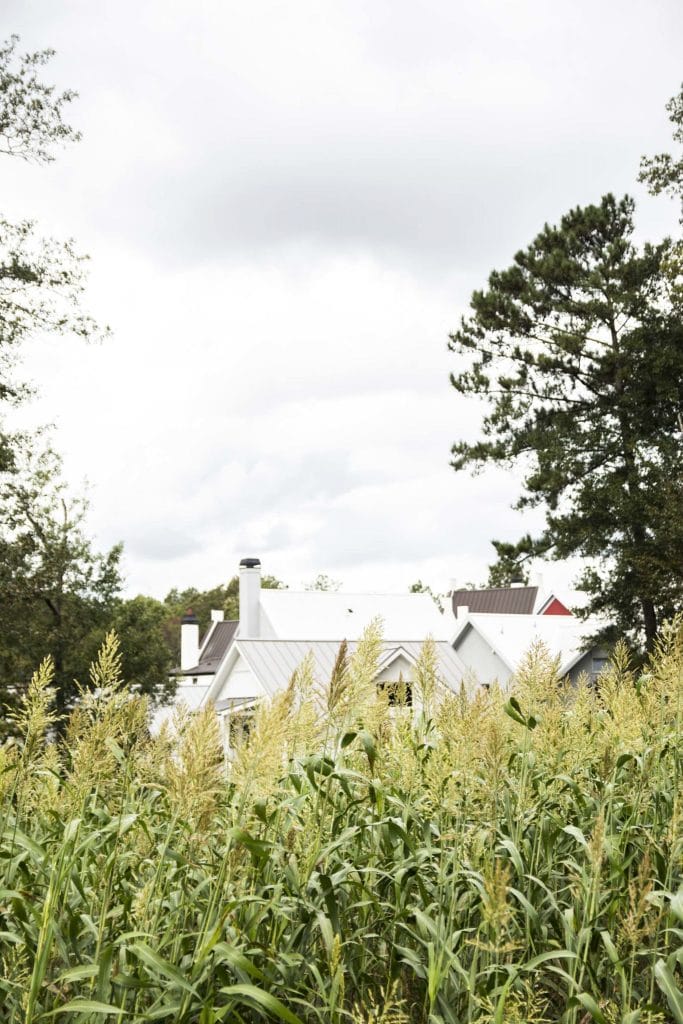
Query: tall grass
column 502, row 857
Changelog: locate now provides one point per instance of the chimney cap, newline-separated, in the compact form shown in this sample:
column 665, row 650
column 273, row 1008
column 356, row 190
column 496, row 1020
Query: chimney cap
column 250, row 563
column 189, row 618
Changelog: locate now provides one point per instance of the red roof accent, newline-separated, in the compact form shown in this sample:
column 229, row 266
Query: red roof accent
column 555, row 608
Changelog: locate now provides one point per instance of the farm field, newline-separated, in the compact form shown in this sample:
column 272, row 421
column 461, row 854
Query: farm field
column 506, row 858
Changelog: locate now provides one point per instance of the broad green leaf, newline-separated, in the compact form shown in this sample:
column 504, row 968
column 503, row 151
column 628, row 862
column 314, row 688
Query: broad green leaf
column 590, row 1004
column 577, row 834
column 252, row 994
column 152, row 959
column 668, row 986
column 87, row 1006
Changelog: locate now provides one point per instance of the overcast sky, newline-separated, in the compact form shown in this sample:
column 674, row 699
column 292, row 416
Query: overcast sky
column 287, row 206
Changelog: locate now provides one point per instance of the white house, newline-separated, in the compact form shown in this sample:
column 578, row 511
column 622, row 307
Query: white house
column 303, row 618
column 492, row 646
column 254, row 669
column 238, row 663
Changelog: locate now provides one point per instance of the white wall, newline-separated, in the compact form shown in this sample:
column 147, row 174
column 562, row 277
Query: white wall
column 240, row 682
column 479, row 658
column 585, row 665
column 191, row 693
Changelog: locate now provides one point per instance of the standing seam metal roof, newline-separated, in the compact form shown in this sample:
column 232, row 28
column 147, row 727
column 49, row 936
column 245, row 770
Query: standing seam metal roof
column 212, row 655
column 497, row 600
column 273, row 662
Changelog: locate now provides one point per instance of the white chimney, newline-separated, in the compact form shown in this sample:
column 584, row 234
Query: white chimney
column 250, row 598
column 217, row 615
column 462, row 611
column 189, row 640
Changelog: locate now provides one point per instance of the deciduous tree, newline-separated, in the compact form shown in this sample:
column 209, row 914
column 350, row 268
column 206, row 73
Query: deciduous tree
column 224, row 597
column 146, row 658
column 41, row 280
column 56, row 592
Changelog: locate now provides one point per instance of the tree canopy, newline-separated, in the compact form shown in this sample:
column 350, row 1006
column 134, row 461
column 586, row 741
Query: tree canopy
column 663, row 173
column 577, row 351
column 57, row 593
column 224, row 597
column 41, row 280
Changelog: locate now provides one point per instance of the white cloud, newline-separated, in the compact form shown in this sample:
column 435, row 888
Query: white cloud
column 287, row 206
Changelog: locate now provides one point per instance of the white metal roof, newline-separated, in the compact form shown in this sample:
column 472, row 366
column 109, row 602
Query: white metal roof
column 273, row 662
column 324, row 615
column 512, row 636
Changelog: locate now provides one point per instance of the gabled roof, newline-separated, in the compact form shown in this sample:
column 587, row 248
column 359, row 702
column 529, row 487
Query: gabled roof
column 273, row 662
column 552, row 605
column 213, row 649
column 497, row 600
column 324, row 615
column 512, row 636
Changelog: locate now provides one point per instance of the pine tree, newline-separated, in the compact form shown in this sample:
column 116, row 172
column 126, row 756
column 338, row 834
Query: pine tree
column 577, row 351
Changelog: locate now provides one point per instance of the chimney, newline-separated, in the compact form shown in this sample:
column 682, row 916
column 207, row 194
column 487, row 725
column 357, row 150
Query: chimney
column 516, row 582
column 189, row 640
column 250, row 598
column 462, row 611
column 536, row 580
column 217, row 615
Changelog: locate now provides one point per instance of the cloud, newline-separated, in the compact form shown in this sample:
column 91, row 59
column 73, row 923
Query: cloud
column 287, row 207
column 438, row 139
column 160, row 541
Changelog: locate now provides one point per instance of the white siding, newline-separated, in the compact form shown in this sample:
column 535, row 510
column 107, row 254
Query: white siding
column 478, row 656
column 241, row 682
column 190, row 693
column 400, row 666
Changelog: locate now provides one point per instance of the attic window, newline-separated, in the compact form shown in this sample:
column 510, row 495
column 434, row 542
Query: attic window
column 399, row 694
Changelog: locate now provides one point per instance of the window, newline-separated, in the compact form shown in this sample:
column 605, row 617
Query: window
column 240, row 724
column 598, row 666
column 399, row 694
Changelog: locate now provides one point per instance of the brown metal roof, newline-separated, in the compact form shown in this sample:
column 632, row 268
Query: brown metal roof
column 497, row 600
column 220, row 638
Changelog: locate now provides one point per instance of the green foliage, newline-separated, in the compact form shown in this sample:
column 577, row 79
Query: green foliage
column 323, row 582
column 224, row 597
column 146, row 660
column 578, row 353
column 31, row 112
column 503, row 859
column 423, row 588
column 57, row 594
column 663, row 173
column 509, row 566
column 41, row 280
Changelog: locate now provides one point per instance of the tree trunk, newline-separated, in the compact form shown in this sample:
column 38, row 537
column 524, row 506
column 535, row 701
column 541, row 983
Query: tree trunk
column 650, row 623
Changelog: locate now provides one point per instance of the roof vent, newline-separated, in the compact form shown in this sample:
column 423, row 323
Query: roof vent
column 250, row 563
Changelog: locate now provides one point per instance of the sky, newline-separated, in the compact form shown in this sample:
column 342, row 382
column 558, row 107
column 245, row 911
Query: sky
column 286, row 208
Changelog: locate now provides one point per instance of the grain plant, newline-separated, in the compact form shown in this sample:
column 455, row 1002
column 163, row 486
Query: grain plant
column 495, row 856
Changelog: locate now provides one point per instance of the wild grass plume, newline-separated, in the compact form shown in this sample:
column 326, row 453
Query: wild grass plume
column 491, row 857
